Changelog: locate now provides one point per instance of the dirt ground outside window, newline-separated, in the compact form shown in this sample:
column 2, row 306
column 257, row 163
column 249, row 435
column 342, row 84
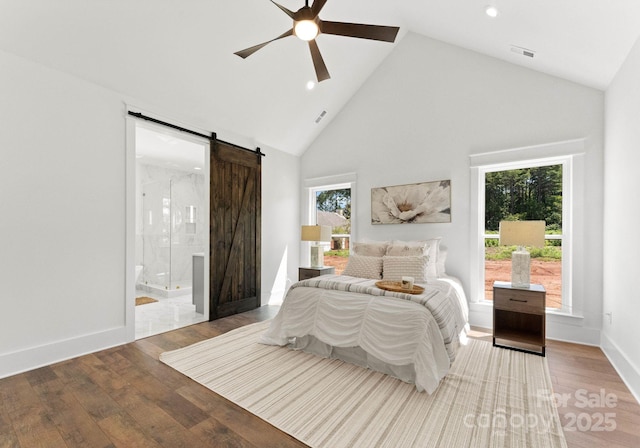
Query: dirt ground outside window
column 545, row 273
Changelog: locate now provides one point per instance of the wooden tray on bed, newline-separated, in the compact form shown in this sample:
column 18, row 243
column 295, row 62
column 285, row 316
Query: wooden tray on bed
column 397, row 287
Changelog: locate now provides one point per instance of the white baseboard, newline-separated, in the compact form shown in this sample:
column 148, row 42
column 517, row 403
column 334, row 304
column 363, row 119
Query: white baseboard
column 275, row 298
column 558, row 327
column 44, row 355
column 627, row 371
column 480, row 317
column 573, row 334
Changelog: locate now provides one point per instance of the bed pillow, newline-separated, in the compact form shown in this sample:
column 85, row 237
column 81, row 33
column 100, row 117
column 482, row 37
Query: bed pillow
column 394, row 267
column 440, row 262
column 364, row 267
column 407, row 248
column 377, row 249
column 427, row 248
column 434, row 252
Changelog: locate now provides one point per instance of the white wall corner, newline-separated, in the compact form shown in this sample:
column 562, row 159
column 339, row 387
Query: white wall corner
column 276, row 296
column 629, row 373
column 35, row 357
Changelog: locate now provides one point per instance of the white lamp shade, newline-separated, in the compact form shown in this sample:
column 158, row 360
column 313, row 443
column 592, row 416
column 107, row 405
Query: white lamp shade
column 522, row 233
column 316, row 233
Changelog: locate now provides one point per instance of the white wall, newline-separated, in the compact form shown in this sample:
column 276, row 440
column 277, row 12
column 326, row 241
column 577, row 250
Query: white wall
column 280, row 223
column 62, row 214
column 62, row 220
column 426, row 109
column 621, row 334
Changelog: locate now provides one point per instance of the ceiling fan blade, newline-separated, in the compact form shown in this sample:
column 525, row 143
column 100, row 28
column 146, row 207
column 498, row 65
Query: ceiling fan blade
column 285, row 10
column 374, row 32
column 321, row 69
column 249, row 51
column 317, row 7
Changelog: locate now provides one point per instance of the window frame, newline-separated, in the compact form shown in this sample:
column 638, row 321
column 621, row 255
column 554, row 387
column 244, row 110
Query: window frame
column 565, row 162
column 570, row 155
column 311, row 187
column 313, row 200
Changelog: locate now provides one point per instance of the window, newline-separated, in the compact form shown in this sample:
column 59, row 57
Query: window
column 524, row 194
column 568, row 158
column 332, row 207
column 335, row 195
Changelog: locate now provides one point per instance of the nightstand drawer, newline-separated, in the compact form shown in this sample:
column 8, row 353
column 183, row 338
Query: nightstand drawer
column 521, row 301
column 307, row 273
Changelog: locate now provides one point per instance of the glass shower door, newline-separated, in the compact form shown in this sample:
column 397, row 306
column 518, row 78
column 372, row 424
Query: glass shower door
column 156, row 244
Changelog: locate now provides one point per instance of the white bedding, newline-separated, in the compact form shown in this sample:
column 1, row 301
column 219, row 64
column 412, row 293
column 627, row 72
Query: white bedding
column 418, row 334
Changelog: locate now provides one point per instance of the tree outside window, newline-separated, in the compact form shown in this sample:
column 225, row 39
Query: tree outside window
column 333, row 208
column 533, row 193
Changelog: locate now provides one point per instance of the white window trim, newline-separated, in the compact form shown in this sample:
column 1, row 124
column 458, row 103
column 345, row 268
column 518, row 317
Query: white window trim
column 308, row 216
column 570, row 154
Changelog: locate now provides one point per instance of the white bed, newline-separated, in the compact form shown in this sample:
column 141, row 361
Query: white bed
column 411, row 337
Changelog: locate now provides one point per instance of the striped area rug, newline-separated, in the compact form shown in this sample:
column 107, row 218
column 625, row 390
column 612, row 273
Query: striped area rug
column 491, row 397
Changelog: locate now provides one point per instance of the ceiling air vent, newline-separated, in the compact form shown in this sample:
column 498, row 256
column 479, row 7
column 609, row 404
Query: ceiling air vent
column 523, row 51
column 321, row 116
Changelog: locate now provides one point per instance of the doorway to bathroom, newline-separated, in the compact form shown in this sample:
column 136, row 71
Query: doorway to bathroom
column 172, row 229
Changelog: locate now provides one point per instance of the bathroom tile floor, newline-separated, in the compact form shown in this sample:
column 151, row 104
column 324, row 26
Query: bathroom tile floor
column 164, row 315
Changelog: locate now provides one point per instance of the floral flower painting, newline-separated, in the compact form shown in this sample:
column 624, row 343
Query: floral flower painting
column 426, row 202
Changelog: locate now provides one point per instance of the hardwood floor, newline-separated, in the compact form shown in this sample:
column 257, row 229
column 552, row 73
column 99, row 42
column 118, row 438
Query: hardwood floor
column 124, row 397
column 581, row 375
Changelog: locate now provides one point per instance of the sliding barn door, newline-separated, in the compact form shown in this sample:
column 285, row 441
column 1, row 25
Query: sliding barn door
column 235, row 230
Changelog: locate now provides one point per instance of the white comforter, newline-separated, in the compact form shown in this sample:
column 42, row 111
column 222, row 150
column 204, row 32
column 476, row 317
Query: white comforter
column 422, row 331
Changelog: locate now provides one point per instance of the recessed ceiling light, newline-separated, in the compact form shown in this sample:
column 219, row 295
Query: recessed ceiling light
column 491, row 11
column 310, row 85
column 197, row 168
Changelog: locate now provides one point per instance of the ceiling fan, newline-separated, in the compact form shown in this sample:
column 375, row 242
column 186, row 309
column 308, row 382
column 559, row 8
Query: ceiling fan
column 307, row 26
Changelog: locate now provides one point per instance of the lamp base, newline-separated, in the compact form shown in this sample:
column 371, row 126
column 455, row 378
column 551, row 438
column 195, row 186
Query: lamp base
column 520, row 269
column 317, row 256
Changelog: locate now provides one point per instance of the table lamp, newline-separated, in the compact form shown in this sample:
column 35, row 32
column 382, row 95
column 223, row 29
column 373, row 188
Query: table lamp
column 521, row 234
column 316, row 234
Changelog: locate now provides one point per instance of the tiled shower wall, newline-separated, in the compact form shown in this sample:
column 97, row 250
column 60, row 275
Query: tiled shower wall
column 165, row 238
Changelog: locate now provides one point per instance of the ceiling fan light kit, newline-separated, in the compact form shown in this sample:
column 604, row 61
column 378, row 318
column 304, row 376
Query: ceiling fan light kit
column 306, row 30
column 307, row 25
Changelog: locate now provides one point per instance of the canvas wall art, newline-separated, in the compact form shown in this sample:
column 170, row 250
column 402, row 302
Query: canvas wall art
column 426, row 202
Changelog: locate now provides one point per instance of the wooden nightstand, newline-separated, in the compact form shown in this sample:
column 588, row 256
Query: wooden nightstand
column 305, row 273
column 519, row 317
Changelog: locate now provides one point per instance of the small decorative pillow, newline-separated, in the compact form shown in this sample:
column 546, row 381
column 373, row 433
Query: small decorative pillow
column 426, row 247
column 393, row 268
column 407, row 248
column 370, row 249
column 364, row 267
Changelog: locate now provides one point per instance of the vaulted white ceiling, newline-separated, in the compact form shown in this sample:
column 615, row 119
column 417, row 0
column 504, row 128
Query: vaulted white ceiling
column 176, row 56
